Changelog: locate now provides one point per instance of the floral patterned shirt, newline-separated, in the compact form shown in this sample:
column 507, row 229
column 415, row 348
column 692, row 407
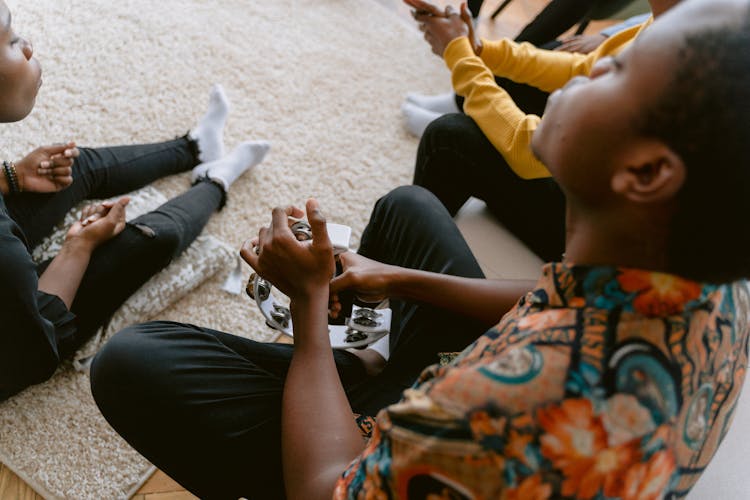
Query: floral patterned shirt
column 601, row 383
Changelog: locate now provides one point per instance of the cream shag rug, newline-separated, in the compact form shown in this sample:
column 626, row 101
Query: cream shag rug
column 321, row 79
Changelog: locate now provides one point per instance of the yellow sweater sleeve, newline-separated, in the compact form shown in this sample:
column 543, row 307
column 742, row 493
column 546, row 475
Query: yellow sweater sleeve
column 548, row 70
column 507, row 127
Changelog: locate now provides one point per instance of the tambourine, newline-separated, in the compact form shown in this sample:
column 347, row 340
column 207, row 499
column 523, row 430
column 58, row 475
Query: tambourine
column 364, row 327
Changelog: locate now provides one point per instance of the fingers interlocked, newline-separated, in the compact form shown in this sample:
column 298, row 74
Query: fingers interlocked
column 59, row 160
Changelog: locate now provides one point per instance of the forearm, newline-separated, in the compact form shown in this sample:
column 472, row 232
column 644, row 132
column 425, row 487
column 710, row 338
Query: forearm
column 64, row 274
column 481, row 299
column 507, row 127
column 547, row 70
column 319, row 435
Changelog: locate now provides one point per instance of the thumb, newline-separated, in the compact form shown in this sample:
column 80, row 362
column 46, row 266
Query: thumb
column 340, row 283
column 469, row 21
column 466, row 16
column 317, row 223
column 117, row 212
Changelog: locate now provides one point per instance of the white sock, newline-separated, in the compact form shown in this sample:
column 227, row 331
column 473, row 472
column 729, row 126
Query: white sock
column 441, row 103
column 382, row 347
column 416, row 119
column 231, row 167
column 209, row 132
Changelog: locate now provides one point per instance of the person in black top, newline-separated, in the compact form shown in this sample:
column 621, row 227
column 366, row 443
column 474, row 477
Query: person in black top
column 49, row 310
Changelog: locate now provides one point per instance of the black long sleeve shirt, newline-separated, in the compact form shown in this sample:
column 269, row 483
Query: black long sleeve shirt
column 31, row 322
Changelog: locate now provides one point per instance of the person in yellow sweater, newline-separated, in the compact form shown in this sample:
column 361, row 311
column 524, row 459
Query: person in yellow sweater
column 486, row 151
column 419, row 110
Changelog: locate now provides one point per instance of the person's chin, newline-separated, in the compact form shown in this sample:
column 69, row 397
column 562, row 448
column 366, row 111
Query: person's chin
column 26, row 111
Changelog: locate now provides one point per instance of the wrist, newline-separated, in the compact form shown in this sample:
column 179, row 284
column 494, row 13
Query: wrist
column 11, row 179
column 310, row 298
column 76, row 245
column 478, row 46
column 4, row 187
column 310, row 318
column 397, row 280
column 20, row 175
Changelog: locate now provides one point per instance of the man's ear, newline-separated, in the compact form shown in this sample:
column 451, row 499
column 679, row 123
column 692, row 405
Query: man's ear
column 649, row 172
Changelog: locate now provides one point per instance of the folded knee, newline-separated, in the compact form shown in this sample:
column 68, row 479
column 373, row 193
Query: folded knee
column 408, row 201
column 449, row 129
column 125, row 366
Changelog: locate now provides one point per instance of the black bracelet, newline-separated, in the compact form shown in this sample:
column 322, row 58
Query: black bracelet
column 11, row 176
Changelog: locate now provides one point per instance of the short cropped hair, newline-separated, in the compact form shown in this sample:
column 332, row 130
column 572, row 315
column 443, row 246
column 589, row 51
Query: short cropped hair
column 703, row 115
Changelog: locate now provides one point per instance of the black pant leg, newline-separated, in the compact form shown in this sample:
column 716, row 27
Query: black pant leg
column 455, row 161
column 556, row 18
column 410, row 228
column 475, row 6
column 203, row 406
column 122, row 265
column 101, row 173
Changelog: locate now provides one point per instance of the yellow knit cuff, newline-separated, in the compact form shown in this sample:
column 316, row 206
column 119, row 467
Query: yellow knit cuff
column 459, row 48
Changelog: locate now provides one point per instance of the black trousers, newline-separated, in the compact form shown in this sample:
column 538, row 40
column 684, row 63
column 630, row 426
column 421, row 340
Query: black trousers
column 455, row 161
column 474, row 6
column 204, row 406
column 554, row 20
column 121, row 265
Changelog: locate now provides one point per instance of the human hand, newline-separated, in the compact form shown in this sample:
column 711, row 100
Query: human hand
column 99, row 223
column 440, row 27
column 476, row 42
column 371, row 281
column 582, row 44
column 47, row 169
column 299, row 269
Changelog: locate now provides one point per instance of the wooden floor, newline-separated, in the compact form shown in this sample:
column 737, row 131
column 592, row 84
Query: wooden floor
column 160, row 486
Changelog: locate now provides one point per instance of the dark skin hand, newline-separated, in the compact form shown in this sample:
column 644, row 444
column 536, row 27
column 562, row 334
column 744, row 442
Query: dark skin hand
column 98, row 223
column 441, row 27
column 319, row 436
column 47, row 169
column 316, row 445
column 583, row 44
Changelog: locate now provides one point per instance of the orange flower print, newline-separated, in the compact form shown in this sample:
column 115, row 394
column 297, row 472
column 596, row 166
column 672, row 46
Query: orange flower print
column 482, row 425
column 576, row 443
column 648, row 481
column 531, row 488
column 626, row 419
column 517, row 445
column 572, row 431
column 659, row 294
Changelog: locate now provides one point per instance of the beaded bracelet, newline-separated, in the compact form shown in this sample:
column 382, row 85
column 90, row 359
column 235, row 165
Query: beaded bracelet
column 11, row 176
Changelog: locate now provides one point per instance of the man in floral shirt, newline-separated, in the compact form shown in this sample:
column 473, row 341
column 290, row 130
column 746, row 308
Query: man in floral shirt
column 602, row 383
column 616, row 376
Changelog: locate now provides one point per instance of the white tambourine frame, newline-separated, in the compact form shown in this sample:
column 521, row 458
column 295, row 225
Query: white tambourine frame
column 357, row 333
